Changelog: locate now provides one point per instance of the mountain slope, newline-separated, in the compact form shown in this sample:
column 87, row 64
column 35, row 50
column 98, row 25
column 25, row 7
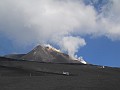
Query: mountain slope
column 32, row 75
column 48, row 54
column 14, row 56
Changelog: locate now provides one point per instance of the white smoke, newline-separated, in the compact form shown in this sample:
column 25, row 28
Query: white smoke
column 61, row 22
column 71, row 45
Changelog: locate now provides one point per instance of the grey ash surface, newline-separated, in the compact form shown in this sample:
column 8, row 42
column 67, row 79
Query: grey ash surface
column 28, row 75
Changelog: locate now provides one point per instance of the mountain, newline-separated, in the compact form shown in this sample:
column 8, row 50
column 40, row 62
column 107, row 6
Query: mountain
column 46, row 68
column 14, row 56
column 49, row 54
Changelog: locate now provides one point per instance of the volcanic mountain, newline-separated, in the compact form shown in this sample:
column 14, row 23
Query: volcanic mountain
column 49, row 54
column 32, row 71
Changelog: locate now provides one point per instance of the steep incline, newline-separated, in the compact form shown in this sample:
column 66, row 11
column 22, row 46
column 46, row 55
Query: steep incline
column 47, row 54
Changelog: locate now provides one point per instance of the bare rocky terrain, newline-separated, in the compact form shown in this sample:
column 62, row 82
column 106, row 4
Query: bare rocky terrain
column 32, row 75
column 45, row 68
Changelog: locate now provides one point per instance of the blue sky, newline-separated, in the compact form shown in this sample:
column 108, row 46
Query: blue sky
column 91, row 27
column 100, row 51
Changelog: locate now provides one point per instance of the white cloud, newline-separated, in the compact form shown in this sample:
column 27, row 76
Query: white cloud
column 43, row 21
column 109, row 22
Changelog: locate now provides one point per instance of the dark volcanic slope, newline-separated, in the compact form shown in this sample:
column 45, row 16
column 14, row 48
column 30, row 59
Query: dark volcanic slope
column 46, row 54
column 14, row 56
column 39, row 53
column 31, row 75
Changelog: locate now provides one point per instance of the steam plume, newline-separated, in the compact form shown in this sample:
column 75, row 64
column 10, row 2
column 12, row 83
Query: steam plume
column 72, row 44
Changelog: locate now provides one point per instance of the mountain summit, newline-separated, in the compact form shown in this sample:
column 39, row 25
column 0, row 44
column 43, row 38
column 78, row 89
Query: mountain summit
column 47, row 53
